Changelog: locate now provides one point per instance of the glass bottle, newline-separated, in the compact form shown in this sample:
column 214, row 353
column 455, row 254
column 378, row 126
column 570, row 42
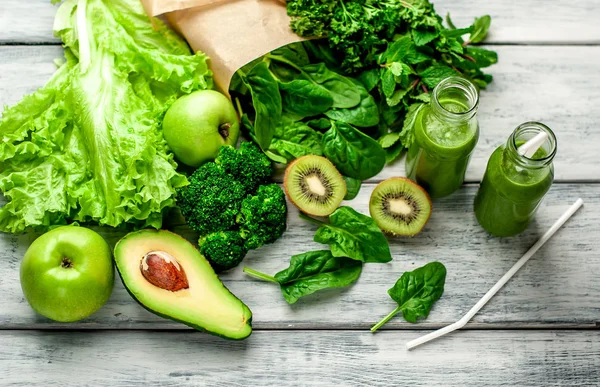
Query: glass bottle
column 446, row 132
column 514, row 185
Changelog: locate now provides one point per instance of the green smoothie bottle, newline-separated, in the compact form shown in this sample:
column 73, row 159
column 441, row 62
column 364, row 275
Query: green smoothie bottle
column 514, row 185
column 446, row 132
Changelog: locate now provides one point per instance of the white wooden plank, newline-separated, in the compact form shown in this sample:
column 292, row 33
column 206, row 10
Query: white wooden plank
column 276, row 358
column 513, row 21
column 557, row 288
column 555, row 86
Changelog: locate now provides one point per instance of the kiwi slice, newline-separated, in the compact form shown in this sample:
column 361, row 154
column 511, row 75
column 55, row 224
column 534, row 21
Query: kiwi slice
column 314, row 185
column 400, row 207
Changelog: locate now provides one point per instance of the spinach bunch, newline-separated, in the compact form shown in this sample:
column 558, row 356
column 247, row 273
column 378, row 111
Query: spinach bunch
column 353, row 238
column 415, row 292
column 293, row 105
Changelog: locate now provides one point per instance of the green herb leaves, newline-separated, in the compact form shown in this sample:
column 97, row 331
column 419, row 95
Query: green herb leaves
column 415, row 292
column 266, row 101
column 353, row 238
column 354, row 153
column 312, row 271
column 354, row 235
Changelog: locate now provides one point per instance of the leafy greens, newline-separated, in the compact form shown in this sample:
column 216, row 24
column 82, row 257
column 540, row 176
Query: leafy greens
column 370, row 74
column 87, row 147
column 415, row 292
column 310, row 272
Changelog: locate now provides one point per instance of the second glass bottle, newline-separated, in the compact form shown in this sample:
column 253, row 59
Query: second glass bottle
column 446, row 132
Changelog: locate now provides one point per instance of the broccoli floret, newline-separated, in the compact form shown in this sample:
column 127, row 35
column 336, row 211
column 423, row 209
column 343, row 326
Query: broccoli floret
column 212, row 200
column 249, row 164
column 224, row 250
column 262, row 216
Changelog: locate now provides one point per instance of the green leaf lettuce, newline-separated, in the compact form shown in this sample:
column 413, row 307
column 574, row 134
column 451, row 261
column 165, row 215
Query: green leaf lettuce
column 88, row 147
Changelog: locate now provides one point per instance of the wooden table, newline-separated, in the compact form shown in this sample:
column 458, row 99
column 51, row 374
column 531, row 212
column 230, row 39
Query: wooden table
column 541, row 329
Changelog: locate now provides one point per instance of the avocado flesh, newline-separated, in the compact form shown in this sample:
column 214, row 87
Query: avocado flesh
column 205, row 305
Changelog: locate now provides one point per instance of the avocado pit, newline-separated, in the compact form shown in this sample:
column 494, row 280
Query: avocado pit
column 162, row 270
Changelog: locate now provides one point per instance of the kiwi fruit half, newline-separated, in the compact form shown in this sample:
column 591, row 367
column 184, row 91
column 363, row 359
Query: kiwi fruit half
column 400, row 207
column 314, row 185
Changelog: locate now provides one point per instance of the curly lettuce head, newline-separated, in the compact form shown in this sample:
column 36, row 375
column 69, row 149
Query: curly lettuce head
column 88, row 146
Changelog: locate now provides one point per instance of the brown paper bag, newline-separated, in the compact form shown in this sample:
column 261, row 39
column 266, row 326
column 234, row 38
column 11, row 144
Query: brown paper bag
column 230, row 32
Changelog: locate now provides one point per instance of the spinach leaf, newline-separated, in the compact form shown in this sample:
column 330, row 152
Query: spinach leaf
column 415, row 292
column 304, row 98
column 354, row 153
column 293, row 52
column 353, row 235
column 364, row 115
column 310, row 272
column 266, row 100
column 345, row 93
column 319, row 123
column 294, row 139
column 352, row 187
column 369, row 79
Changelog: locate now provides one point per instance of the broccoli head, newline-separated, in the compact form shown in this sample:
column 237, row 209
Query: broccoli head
column 224, row 250
column 262, row 217
column 211, row 200
column 248, row 164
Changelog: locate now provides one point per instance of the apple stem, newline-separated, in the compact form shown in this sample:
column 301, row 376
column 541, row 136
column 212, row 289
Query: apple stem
column 224, row 130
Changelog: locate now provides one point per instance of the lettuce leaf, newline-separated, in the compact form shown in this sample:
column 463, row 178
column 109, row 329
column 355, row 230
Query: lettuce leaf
column 88, row 146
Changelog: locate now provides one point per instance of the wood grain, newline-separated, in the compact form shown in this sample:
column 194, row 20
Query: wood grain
column 513, row 21
column 557, row 87
column 505, row 358
column 557, row 288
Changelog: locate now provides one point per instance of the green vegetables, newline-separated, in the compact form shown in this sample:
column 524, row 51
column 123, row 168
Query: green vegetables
column 87, row 146
column 292, row 108
column 310, row 272
column 415, row 292
column 354, row 95
column 353, row 238
column 354, row 235
column 229, row 203
column 353, row 153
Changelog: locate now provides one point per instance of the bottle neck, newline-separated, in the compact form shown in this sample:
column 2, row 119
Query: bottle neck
column 455, row 100
column 545, row 154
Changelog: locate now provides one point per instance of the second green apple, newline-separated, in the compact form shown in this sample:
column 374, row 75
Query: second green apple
column 198, row 124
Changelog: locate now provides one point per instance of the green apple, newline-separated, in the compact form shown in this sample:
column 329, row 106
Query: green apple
column 67, row 274
column 198, row 124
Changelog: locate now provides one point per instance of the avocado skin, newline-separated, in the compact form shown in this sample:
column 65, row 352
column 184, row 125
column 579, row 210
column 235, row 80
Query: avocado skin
column 190, row 324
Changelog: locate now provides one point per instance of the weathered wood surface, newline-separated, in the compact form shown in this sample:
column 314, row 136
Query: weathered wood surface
column 475, row 358
column 513, row 21
column 557, row 288
column 557, row 87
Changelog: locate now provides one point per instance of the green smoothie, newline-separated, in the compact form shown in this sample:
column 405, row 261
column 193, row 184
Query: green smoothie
column 513, row 185
column 446, row 132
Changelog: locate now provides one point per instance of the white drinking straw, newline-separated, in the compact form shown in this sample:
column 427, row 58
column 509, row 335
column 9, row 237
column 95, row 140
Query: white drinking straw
column 532, row 145
column 463, row 321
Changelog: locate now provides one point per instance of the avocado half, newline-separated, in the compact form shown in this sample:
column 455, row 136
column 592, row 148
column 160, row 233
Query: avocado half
column 206, row 304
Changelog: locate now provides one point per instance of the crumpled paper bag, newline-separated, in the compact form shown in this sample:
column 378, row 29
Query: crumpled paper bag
column 231, row 32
